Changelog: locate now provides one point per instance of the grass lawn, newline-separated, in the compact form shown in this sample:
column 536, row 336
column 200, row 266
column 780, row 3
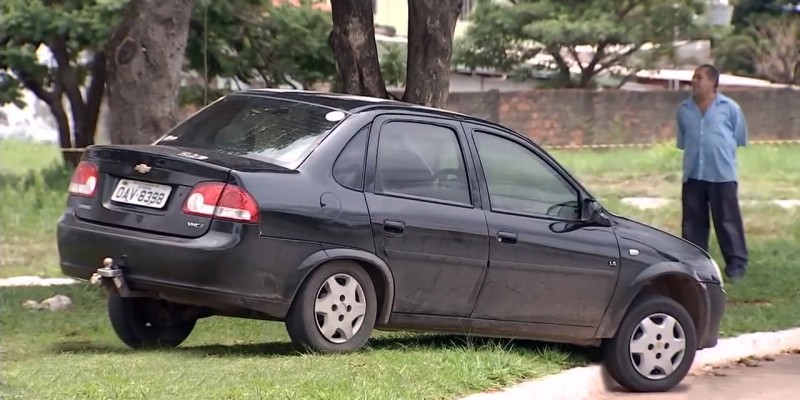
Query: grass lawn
column 766, row 172
column 74, row 354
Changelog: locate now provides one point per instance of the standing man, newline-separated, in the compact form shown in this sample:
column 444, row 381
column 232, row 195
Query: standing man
column 710, row 128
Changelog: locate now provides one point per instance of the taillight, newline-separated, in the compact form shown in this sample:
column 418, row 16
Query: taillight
column 221, row 201
column 84, row 180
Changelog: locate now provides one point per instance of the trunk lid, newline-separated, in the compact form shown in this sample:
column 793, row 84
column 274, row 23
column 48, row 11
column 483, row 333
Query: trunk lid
column 143, row 187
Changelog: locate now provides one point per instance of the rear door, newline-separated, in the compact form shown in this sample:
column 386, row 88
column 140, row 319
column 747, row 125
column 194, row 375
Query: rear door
column 544, row 266
column 422, row 195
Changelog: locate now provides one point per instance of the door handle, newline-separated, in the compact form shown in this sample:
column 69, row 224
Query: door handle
column 395, row 227
column 507, row 237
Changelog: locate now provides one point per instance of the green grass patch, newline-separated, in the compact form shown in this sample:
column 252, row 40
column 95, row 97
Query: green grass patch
column 19, row 156
column 74, row 354
column 33, row 185
column 765, row 172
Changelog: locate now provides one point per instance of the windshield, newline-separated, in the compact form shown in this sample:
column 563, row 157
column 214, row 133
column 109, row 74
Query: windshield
column 280, row 132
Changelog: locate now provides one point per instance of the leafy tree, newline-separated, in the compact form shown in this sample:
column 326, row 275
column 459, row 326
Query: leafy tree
column 503, row 35
column 73, row 31
column 431, row 25
column 747, row 44
column 768, row 48
column 261, row 44
column 247, row 39
column 745, row 11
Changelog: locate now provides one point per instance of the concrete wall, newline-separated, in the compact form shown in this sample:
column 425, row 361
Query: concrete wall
column 580, row 117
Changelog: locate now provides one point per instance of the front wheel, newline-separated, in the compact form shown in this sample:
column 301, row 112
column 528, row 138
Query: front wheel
column 654, row 347
column 143, row 323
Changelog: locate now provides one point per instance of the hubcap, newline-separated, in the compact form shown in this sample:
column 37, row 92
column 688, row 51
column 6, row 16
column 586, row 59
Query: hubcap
column 657, row 346
column 340, row 308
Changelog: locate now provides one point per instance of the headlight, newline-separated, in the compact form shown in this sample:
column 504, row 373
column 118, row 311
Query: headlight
column 719, row 272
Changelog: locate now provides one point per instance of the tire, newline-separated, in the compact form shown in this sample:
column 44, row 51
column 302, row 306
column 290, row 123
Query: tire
column 134, row 322
column 357, row 309
column 628, row 367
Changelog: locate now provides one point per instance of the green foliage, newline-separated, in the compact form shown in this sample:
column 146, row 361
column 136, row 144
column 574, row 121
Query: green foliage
column 746, row 10
column 769, row 48
column 503, row 35
column 763, row 41
column 251, row 40
column 393, row 63
column 494, row 39
column 25, row 25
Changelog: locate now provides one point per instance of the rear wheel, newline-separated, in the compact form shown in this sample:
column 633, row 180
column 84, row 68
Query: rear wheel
column 334, row 310
column 143, row 323
column 654, row 347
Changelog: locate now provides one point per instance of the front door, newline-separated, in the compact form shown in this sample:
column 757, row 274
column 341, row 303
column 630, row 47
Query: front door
column 424, row 219
column 543, row 267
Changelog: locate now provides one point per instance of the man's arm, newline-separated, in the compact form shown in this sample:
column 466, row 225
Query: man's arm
column 681, row 136
column 740, row 132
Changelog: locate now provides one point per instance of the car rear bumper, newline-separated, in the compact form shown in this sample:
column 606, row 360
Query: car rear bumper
column 231, row 267
column 716, row 310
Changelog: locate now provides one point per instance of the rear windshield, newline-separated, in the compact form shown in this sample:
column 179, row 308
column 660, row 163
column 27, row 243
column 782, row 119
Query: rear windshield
column 280, row 132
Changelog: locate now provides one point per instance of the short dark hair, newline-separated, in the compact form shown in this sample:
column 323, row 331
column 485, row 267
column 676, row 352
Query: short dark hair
column 712, row 73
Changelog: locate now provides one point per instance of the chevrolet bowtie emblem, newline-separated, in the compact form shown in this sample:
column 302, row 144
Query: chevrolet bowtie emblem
column 142, row 168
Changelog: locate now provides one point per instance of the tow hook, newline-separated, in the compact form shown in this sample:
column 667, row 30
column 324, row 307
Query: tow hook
column 110, row 277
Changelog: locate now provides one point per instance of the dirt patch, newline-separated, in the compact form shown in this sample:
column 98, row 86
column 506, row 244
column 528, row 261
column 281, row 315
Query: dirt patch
column 753, row 302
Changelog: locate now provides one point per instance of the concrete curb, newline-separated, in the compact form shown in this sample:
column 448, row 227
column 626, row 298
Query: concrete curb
column 647, row 203
column 593, row 382
column 18, row 281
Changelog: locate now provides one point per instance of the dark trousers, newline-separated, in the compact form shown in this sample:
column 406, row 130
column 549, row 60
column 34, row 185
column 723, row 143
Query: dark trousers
column 722, row 199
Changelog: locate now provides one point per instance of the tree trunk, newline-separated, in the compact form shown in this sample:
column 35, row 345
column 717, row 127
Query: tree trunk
column 353, row 43
column 94, row 99
column 431, row 25
column 53, row 99
column 145, row 59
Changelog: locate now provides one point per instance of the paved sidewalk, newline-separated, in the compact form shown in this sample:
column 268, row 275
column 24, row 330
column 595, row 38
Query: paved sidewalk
column 762, row 380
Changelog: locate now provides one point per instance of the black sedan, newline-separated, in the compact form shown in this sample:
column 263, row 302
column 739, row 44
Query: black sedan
column 341, row 214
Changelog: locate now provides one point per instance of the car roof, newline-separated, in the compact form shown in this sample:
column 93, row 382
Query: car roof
column 355, row 104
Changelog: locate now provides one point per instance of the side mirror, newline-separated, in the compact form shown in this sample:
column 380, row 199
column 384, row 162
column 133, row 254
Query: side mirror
column 593, row 213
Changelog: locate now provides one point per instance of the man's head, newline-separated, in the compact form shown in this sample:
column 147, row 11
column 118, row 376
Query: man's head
column 705, row 80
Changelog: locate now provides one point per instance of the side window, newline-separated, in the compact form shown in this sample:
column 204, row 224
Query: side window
column 520, row 181
column 421, row 160
column 348, row 169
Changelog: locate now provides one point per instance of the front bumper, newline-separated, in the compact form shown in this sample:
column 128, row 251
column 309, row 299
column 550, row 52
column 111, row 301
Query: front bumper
column 716, row 310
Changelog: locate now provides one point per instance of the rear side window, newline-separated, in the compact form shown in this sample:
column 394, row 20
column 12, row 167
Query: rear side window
column 348, row 169
column 422, row 161
column 280, row 132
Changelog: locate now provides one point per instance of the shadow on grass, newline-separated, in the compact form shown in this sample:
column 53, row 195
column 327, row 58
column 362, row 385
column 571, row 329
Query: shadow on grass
column 419, row 343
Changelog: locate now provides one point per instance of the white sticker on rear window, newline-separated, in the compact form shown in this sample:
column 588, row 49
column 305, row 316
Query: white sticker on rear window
column 334, row 116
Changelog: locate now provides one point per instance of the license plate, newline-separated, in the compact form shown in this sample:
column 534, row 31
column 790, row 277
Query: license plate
column 141, row 193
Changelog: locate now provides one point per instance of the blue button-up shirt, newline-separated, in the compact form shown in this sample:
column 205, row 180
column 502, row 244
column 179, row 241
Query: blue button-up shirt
column 709, row 140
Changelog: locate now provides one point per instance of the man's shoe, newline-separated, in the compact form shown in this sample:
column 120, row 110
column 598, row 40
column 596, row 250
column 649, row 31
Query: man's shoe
column 734, row 274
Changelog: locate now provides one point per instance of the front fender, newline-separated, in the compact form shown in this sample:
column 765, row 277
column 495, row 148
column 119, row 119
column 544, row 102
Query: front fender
column 625, row 295
column 323, row 256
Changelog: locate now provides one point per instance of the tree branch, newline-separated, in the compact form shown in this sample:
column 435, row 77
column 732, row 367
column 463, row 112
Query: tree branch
column 67, row 78
column 615, row 60
column 563, row 67
column 94, row 97
column 35, row 87
column 576, row 57
column 625, row 11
